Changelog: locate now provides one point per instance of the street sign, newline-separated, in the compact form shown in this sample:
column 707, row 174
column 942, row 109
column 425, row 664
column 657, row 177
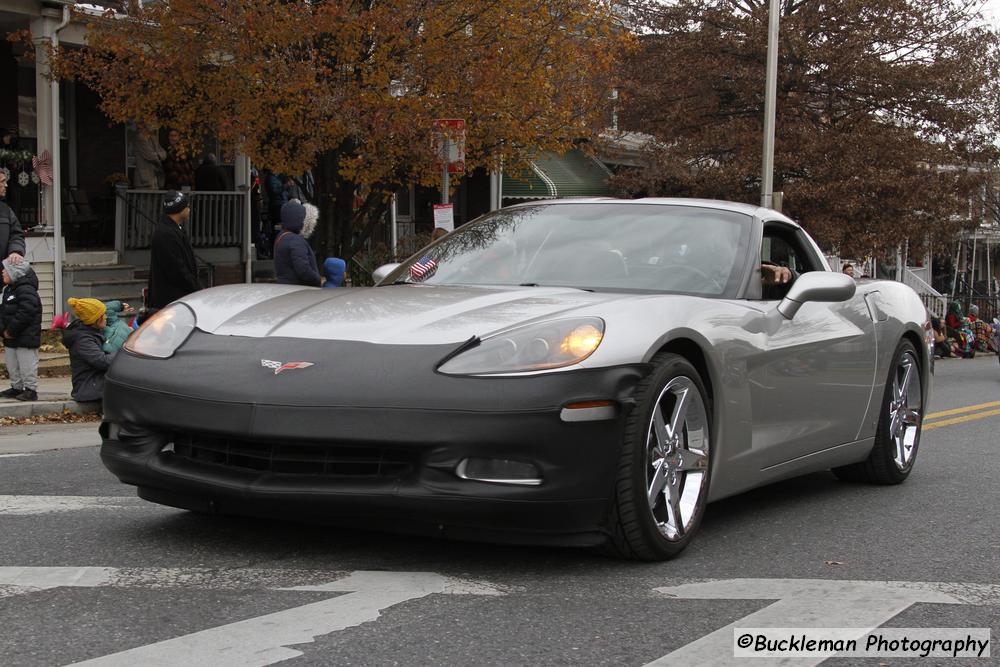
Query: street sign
column 444, row 216
column 448, row 139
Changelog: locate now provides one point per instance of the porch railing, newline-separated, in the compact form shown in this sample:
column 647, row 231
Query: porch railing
column 217, row 218
column 989, row 307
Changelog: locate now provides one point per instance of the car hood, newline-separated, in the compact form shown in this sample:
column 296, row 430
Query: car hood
column 412, row 314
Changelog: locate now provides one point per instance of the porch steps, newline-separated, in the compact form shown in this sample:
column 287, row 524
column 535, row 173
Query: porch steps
column 106, row 290
column 89, row 257
column 98, row 275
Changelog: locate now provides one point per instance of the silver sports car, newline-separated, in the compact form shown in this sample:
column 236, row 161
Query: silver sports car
column 588, row 372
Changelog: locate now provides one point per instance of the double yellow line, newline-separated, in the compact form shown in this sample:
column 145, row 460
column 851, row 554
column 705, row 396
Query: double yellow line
column 933, row 420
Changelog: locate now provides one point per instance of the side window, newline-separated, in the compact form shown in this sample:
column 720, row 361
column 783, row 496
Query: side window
column 783, row 245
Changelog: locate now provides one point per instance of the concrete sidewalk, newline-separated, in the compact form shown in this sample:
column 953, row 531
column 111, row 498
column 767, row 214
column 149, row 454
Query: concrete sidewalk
column 53, row 398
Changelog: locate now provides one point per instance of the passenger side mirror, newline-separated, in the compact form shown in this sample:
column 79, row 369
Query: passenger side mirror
column 379, row 274
column 827, row 286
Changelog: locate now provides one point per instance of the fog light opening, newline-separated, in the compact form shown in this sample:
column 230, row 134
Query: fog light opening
column 499, row 471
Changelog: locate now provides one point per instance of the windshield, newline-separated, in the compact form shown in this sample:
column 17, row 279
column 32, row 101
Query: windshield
column 592, row 246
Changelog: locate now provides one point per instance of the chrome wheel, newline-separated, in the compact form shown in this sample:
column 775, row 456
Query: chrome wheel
column 905, row 406
column 677, row 450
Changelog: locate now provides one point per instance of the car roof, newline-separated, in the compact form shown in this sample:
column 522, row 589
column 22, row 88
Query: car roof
column 737, row 207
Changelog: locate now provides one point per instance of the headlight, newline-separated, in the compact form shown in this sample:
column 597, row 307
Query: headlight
column 163, row 333
column 530, row 348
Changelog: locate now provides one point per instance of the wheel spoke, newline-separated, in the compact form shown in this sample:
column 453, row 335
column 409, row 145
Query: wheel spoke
column 904, row 388
column 659, row 481
column 901, row 450
column 894, row 425
column 680, row 412
column 660, row 429
column 674, row 507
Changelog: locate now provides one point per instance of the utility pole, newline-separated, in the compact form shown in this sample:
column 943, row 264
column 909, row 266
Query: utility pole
column 770, row 96
column 445, row 177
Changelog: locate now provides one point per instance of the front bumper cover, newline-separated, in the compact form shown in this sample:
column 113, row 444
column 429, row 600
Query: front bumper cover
column 350, row 401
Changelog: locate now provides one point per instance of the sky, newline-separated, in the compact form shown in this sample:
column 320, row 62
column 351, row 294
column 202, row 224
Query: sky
column 991, row 9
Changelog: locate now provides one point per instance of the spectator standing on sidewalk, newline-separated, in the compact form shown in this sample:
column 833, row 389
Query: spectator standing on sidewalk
column 149, row 157
column 173, row 272
column 21, row 324
column 84, row 339
column 294, row 260
column 11, row 235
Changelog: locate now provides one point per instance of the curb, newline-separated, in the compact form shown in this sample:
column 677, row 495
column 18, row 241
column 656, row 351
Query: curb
column 23, row 410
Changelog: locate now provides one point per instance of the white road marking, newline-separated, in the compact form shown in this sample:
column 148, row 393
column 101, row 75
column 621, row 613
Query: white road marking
column 28, row 505
column 40, row 578
column 264, row 640
column 12, row 456
column 804, row 603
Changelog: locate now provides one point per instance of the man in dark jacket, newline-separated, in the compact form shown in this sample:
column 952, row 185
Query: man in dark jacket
column 21, row 324
column 173, row 272
column 294, row 260
column 11, row 235
column 83, row 338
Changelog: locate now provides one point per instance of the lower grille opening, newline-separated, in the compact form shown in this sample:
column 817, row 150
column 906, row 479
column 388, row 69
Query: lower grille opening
column 309, row 458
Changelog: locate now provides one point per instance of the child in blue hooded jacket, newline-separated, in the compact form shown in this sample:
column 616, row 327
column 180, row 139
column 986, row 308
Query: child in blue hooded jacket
column 334, row 268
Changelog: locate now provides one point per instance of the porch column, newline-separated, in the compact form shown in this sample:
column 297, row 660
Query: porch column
column 44, row 34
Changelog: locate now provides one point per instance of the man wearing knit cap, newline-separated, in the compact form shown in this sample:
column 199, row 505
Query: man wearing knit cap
column 21, row 324
column 173, row 272
column 294, row 260
column 88, row 362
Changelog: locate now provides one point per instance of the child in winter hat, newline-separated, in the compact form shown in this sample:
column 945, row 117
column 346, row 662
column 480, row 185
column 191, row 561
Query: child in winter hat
column 21, row 328
column 88, row 311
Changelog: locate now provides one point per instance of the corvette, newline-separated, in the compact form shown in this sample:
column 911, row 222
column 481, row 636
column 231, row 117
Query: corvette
column 584, row 372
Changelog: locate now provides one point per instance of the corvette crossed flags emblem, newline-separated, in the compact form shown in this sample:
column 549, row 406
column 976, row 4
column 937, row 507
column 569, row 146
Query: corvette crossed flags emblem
column 278, row 366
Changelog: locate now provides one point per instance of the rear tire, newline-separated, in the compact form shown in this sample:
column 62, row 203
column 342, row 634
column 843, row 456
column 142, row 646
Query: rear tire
column 897, row 435
column 664, row 467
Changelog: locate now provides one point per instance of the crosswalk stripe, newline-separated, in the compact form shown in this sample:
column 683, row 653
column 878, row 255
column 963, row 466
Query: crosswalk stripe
column 29, row 505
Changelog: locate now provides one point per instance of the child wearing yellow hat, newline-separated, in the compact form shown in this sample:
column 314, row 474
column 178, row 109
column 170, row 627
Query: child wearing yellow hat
column 84, row 339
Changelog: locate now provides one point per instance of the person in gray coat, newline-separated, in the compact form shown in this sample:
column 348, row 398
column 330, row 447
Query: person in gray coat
column 149, row 157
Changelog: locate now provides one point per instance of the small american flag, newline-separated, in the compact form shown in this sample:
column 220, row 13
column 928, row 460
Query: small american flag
column 423, row 268
column 42, row 164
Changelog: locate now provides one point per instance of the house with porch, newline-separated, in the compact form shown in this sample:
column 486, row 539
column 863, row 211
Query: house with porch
column 87, row 231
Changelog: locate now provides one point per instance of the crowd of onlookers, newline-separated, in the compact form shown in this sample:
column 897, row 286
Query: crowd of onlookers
column 964, row 334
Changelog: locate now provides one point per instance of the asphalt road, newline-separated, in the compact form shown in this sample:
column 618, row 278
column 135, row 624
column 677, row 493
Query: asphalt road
column 89, row 572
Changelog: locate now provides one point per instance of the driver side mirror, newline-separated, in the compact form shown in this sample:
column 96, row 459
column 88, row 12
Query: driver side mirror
column 379, row 274
column 826, row 286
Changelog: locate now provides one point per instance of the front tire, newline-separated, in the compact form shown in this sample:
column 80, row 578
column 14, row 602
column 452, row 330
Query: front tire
column 897, row 435
column 664, row 468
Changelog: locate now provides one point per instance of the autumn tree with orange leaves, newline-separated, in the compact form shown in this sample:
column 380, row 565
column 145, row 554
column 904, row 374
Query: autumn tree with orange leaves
column 882, row 107
column 350, row 88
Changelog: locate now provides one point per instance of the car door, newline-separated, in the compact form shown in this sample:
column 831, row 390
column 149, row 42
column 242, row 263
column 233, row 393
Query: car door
column 811, row 384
